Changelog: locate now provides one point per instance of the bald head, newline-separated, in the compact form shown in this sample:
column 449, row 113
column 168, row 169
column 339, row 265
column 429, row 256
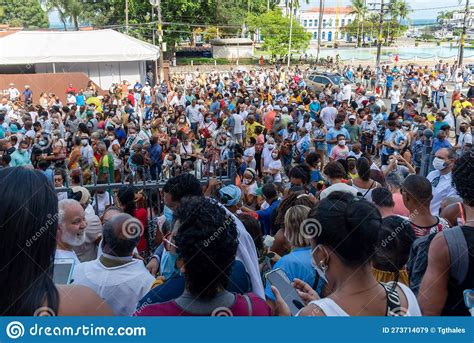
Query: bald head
column 121, row 235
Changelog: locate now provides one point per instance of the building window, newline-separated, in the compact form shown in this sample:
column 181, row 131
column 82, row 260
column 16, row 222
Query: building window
column 316, row 22
column 305, row 23
column 315, row 35
column 349, row 21
column 343, row 22
column 329, row 36
column 324, row 23
column 323, row 35
column 310, row 22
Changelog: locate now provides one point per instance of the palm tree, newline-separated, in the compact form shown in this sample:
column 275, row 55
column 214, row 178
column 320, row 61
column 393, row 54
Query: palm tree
column 68, row 11
column 360, row 10
column 399, row 10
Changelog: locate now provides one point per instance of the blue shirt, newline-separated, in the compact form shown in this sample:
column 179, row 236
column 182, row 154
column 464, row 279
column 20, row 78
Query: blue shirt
column 395, row 136
column 80, row 100
column 389, row 81
column 437, row 144
column 155, row 154
column 437, row 126
column 314, row 108
column 265, row 216
column 297, row 264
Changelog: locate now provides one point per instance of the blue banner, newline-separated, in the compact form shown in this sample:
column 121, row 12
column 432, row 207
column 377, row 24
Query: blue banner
column 238, row 329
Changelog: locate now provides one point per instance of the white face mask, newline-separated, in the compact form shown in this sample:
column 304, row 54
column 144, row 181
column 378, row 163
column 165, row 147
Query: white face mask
column 270, row 146
column 274, row 156
column 84, row 142
column 321, row 271
column 439, row 164
column 246, row 181
column 173, row 131
column 182, row 120
column 342, row 142
column 163, row 129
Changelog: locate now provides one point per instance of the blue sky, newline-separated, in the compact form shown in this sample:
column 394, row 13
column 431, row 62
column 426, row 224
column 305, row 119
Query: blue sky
column 420, row 7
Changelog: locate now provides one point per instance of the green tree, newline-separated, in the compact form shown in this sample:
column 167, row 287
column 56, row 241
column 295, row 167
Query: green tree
column 69, row 11
column 444, row 15
column 275, row 29
column 27, row 13
column 359, row 9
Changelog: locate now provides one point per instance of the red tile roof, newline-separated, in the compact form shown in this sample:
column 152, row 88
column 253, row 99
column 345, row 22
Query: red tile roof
column 332, row 10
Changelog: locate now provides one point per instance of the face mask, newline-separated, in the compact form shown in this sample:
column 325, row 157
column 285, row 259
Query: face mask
column 246, row 181
column 163, row 129
column 168, row 264
column 147, row 126
column 208, row 120
column 342, row 142
column 277, row 119
column 439, row 164
column 173, row 131
column 22, row 151
column 168, row 212
column 169, row 162
column 321, row 272
column 405, row 128
column 182, row 120
column 270, row 146
column 274, row 156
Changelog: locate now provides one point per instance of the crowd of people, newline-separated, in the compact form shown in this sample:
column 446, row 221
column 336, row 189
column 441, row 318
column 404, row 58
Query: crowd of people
column 360, row 194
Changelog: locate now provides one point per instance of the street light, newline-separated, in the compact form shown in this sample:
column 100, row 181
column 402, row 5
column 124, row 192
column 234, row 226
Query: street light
column 157, row 5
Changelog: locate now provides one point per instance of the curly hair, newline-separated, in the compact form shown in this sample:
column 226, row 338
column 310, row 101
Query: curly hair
column 183, row 185
column 207, row 244
column 463, row 174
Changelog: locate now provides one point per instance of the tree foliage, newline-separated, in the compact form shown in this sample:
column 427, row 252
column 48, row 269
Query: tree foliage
column 275, row 30
column 25, row 13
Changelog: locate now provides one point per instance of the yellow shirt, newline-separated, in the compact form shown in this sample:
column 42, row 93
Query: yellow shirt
column 458, row 106
column 431, row 117
column 250, row 129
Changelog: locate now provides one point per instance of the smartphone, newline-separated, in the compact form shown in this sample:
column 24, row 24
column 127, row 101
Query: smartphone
column 63, row 268
column 280, row 280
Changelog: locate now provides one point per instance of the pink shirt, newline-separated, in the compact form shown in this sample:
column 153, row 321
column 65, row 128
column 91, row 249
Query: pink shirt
column 400, row 208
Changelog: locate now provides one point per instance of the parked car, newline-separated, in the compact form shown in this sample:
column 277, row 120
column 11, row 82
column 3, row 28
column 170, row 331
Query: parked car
column 317, row 81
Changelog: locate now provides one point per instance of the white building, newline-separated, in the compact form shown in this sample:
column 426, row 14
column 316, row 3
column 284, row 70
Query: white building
column 334, row 19
column 457, row 20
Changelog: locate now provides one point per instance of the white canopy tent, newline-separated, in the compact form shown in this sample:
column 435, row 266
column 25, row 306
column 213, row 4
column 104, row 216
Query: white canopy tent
column 106, row 56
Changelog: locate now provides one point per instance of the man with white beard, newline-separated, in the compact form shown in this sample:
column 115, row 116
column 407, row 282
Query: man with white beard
column 71, row 229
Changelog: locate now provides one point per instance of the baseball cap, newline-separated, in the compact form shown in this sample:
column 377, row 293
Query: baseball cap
column 80, row 194
column 352, row 117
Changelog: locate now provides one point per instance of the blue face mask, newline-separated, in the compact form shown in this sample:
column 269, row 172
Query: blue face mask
column 168, row 265
column 168, row 213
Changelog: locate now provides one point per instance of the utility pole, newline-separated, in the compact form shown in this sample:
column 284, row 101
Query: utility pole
column 291, row 33
column 157, row 4
column 463, row 35
column 320, row 25
column 379, row 41
column 126, row 16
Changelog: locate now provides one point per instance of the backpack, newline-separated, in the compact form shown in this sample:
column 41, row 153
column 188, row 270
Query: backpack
column 458, row 252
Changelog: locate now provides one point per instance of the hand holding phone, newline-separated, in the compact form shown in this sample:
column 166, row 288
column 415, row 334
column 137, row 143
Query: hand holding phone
column 282, row 283
column 63, row 268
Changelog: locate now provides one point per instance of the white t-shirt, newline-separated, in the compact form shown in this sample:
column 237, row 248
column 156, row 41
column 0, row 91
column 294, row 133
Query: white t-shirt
column 276, row 164
column 238, row 123
column 328, row 115
column 121, row 287
column 346, row 92
column 338, row 187
column 394, row 96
